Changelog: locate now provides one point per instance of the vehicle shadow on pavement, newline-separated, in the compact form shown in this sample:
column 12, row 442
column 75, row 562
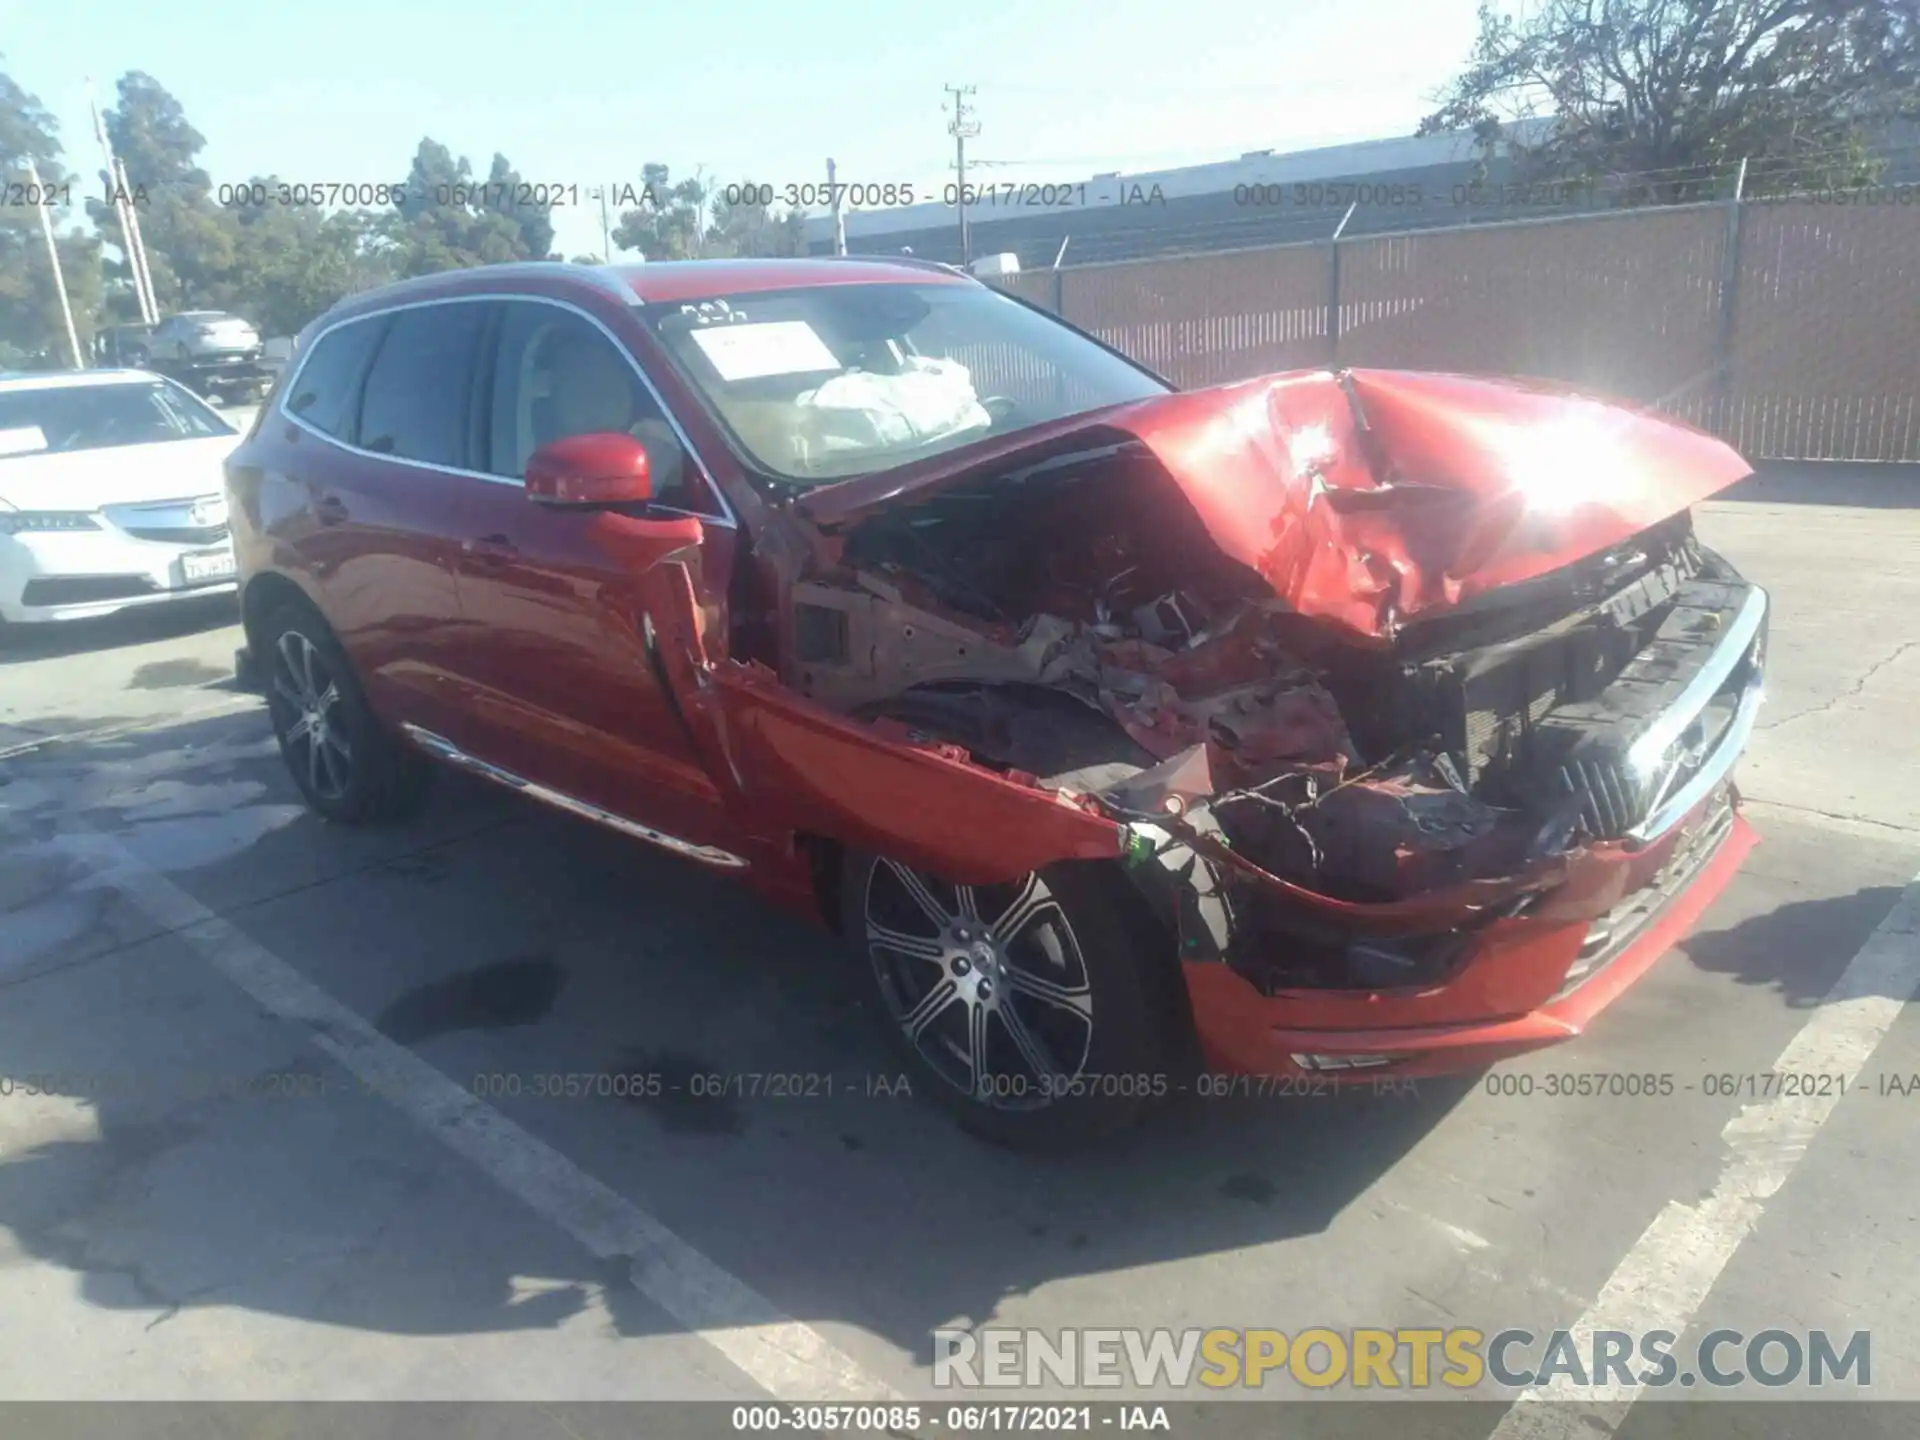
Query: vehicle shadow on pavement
column 497, row 939
column 1791, row 947
column 1812, row 482
column 20, row 644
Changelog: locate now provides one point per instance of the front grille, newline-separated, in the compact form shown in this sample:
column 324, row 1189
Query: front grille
column 1610, row 935
column 179, row 534
column 1610, row 803
column 1493, row 700
column 84, row 589
column 1681, row 694
column 199, row 520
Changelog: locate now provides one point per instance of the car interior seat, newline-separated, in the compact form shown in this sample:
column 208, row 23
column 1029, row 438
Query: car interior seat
column 583, row 387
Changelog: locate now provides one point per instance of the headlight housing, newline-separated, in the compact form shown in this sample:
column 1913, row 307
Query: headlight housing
column 17, row 522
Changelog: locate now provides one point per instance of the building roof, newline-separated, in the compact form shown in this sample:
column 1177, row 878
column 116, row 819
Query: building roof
column 1117, row 190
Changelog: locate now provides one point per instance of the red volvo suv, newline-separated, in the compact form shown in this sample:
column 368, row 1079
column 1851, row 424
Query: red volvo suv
column 1321, row 725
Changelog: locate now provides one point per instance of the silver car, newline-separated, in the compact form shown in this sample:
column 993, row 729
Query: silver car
column 204, row 335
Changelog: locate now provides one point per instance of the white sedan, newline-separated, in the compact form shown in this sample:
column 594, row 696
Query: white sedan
column 111, row 494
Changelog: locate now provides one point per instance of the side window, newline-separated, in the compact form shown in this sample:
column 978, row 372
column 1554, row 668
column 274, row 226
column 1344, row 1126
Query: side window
column 328, row 384
column 415, row 403
column 557, row 374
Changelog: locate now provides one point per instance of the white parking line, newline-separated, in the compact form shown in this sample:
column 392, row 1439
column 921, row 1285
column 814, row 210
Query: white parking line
column 1666, row 1276
column 790, row 1360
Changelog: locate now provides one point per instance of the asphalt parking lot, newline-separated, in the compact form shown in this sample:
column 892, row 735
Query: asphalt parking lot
column 264, row 1172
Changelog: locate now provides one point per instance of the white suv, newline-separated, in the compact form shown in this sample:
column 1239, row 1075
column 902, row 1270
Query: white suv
column 111, row 494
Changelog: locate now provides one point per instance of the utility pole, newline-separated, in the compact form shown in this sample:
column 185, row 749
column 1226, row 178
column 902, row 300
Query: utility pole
column 145, row 272
column 53, row 261
column 122, row 196
column 963, row 128
column 606, row 231
column 839, row 217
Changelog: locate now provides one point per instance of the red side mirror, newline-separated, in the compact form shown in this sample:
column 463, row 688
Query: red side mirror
column 599, row 469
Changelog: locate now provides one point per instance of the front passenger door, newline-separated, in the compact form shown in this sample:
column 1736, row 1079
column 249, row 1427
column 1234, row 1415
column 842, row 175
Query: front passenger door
column 572, row 690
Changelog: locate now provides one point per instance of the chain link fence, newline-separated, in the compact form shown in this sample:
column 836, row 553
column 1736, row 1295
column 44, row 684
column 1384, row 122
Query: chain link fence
column 1791, row 328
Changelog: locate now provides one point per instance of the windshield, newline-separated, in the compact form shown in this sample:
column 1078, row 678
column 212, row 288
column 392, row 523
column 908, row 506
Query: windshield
column 832, row 381
column 98, row 417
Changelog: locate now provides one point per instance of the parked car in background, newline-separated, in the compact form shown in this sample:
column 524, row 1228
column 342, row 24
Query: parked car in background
column 205, row 335
column 214, row 354
column 1329, row 725
column 110, row 495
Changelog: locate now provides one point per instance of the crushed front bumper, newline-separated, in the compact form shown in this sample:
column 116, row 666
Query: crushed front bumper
column 1534, row 979
column 1541, row 970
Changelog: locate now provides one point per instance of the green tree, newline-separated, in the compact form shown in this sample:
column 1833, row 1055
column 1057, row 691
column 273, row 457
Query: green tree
column 672, row 219
column 1667, row 95
column 150, row 134
column 750, row 228
column 277, row 264
column 446, row 219
column 31, row 327
column 190, row 241
column 690, row 220
column 507, row 195
column 292, row 262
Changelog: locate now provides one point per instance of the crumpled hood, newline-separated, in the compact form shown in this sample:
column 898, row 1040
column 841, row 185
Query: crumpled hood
column 1373, row 497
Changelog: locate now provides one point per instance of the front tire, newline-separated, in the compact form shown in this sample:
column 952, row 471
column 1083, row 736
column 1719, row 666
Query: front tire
column 1027, row 1010
column 348, row 766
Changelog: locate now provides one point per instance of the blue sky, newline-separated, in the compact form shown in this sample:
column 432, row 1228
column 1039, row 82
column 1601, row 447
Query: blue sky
column 572, row 93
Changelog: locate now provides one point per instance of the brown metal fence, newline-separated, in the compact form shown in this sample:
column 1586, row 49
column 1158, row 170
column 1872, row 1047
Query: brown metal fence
column 1824, row 359
column 1207, row 319
column 1793, row 329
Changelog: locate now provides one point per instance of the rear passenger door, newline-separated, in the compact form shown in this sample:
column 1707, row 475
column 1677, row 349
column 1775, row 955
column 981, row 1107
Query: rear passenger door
column 382, row 408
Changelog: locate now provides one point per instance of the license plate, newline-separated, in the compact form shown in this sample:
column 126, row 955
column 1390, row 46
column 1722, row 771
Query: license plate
column 206, row 565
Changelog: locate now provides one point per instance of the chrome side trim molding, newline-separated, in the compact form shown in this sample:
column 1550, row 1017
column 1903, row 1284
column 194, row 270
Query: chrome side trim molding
column 442, row 748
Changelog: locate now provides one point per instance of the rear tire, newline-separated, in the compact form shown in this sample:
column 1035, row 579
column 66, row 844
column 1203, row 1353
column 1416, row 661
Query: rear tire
column 349, row 767
column 1031, row 1012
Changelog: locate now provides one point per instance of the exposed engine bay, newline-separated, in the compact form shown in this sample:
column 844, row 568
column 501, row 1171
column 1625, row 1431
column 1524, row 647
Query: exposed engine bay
column 1073, row 622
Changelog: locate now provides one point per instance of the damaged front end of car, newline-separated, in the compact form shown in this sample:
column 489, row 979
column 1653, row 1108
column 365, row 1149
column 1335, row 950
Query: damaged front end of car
column 1407, row 702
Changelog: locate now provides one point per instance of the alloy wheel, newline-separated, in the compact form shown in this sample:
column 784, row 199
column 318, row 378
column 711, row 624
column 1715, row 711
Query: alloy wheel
column 309, row 716
column 988, row 983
